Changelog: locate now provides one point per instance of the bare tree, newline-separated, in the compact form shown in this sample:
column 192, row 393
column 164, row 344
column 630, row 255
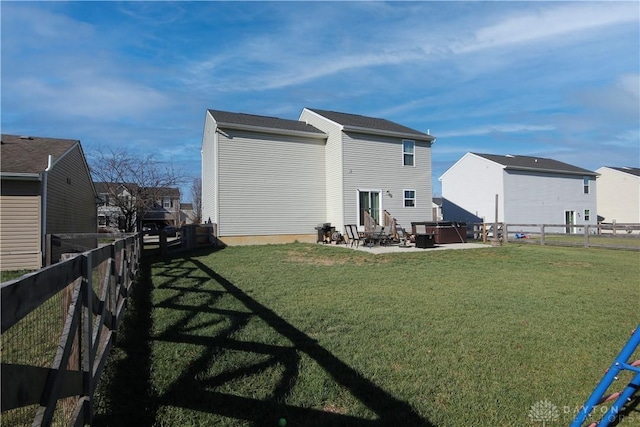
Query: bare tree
column 196, row 196
column 133, row 183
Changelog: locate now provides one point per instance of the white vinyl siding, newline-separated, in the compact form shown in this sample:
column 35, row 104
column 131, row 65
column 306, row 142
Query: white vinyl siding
column 537, row 198
column 618, row 196
column 472, row 183
column 209, row 168
column 335, row 171
column 372, row 162
column 269, row 184
column 20, row 227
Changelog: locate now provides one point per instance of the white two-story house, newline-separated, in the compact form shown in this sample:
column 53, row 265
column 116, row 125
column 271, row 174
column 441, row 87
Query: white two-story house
column 530, row 190
column 267, row 179
column 619, row 194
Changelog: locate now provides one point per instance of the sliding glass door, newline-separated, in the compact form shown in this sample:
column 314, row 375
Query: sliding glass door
column 368, row 201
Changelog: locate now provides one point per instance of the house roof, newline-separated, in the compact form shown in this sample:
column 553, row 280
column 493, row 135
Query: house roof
column 226, row 119
column 30, row 155
column 539, row 164
column 630, row 171
column 374, row 125
column 106, row 187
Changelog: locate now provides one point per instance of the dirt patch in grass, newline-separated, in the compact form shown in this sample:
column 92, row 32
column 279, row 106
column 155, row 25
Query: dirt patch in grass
column 311, row 257
column 572, row 264
column 334, row 409
column 306, row 258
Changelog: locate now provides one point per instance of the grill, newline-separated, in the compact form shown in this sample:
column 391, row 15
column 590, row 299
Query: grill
column 325, row 232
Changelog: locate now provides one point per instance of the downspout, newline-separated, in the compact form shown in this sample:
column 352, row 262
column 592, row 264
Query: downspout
column 44, row 209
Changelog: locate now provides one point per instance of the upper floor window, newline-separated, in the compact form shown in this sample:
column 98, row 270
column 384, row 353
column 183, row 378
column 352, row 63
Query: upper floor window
column 409, row 198
column 167, row 203
column 585, row 184
column 408, row 152
column 587, row 214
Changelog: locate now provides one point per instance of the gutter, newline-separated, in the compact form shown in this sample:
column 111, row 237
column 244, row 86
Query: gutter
column 369, row 131
column 18, row 176
column 275, row 131
column 558, row 171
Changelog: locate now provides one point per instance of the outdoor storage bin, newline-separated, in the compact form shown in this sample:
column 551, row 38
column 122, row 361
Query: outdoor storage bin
column 424, row 241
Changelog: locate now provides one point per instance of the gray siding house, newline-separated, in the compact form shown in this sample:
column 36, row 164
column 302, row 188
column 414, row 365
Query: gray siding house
column 531, row 190
column 46, row 189
column 267, row 179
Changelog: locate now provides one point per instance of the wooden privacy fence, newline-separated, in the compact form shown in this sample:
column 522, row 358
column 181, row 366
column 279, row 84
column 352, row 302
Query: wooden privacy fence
column 49, row 374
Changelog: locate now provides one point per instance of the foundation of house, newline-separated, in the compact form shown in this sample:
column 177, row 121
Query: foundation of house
column 266, row 240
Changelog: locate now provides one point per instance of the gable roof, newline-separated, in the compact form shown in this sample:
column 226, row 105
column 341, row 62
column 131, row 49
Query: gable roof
column 630, row 171
column 536, row 164
column 108, row 187
column 30, row 155
column 226, row 119
column 358, row 123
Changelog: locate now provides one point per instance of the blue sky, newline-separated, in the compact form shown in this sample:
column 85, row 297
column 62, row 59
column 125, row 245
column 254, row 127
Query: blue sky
column 549, row 79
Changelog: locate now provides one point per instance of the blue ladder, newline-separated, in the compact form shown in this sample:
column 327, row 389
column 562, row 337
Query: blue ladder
column 620, row 363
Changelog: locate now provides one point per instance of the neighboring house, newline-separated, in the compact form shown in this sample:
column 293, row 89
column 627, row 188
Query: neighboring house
column 46, row 189
column 110, row 217
column 165, row 210
column 267, row 179
column 619, row 194
column 450, row 212
column 437, row 209
column 530, row 190
column 187, row 215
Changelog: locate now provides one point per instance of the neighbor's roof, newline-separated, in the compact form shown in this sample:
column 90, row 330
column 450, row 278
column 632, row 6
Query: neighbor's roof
column 30, row 155
column 226, row 119
column 107, row 187
column 630, row 171
column 366, row 124
column 539, row 164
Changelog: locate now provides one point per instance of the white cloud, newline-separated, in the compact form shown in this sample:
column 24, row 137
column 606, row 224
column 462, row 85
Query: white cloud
column 550, row 22
column 96, row 97
column 506, row 128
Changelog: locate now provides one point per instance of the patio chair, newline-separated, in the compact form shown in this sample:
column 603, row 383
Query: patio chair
column 351, row 231
column 376, row 236
column 403, row 237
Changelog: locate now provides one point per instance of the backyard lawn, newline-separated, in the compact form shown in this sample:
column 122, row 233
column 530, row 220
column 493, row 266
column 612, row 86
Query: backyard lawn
column 322, row 335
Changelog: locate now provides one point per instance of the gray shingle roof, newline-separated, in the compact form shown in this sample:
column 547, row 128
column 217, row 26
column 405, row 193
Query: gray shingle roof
column 251, row 120
column 30, row 154
column 535, row 163
column 370, row 123
column 630, row 171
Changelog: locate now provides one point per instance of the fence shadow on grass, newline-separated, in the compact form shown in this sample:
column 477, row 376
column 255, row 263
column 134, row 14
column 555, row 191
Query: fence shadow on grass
column 125, row 396
column 191, row 391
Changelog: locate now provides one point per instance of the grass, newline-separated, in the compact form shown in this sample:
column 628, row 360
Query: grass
column 620, row 241
column 321, row 335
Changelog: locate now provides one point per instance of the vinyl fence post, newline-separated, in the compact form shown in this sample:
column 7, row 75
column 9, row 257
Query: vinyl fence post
column 542, row 234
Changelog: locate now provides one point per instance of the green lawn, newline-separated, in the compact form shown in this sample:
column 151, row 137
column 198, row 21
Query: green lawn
column 320, row 335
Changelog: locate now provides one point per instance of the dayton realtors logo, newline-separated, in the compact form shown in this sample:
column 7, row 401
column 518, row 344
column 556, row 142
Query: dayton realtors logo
column 544, row 412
